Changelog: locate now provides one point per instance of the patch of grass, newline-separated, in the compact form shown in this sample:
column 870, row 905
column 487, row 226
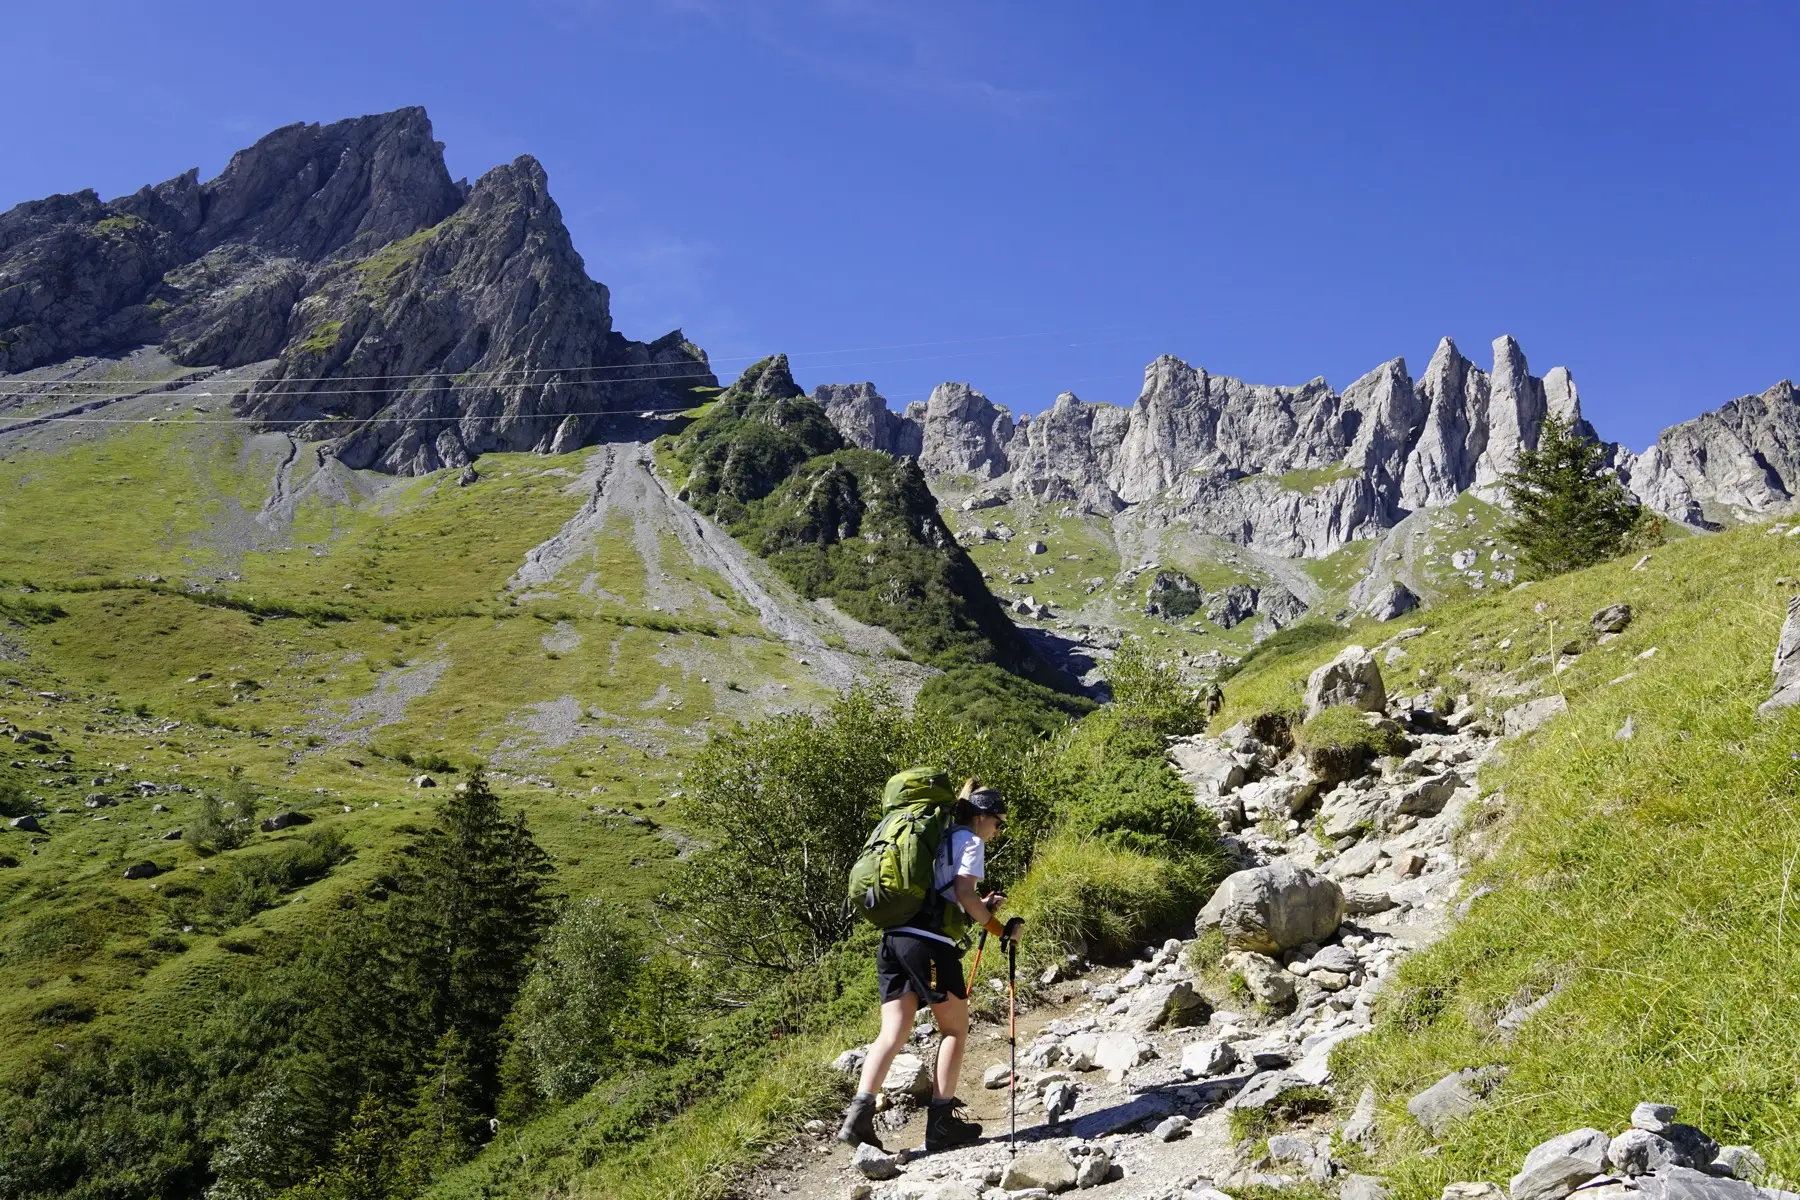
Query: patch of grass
column 1082, row 893
column 1294, row 1104
column 322, row 339
column 1340, row 741
column 382, row 271
column 1298, row 638
column 1311, row 479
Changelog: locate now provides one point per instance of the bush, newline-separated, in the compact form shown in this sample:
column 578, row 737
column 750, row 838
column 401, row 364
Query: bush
column 1298, row 638
column 787, row 803
column 227, row 817
column 1340, row 741
column 1100, row 899
column 593, row 1002
column 13, row 802
column 988, row 697
column 246, row 886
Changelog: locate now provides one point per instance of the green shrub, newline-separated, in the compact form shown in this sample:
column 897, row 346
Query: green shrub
column 1100, row 899
column 1297, row 638
column 247, row 885
column 596, row 1001
column 1340, row 741
column 989, row 697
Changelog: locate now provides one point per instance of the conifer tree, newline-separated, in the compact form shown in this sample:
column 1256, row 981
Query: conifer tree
column 1569, row 510
column 462, row 928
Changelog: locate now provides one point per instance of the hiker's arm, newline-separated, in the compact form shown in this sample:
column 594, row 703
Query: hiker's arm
column 976, row 907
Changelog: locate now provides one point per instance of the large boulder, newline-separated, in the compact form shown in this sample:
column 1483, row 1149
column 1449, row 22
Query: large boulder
column 1166, row 1006
column 1208, row 767
column 1396, row 599
column 1351, row 678
column 1562, row 1164
column 1787, row 663
column 1269, row 909
column 1611, row 619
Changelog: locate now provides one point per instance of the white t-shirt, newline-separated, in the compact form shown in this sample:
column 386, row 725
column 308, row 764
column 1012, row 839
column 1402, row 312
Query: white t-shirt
column 961, row 854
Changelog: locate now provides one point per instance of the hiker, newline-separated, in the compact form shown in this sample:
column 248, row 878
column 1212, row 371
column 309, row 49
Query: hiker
column 920, row 962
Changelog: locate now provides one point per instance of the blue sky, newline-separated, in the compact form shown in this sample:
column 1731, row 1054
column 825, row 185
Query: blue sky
column 1039, row 197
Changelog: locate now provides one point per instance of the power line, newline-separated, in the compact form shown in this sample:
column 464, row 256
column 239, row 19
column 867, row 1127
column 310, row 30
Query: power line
column 5, row 390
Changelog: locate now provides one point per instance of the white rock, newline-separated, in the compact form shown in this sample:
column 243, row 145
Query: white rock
column 1262, row 975
column 1274, row 908
column 1351, row 678
column 875, row 1164
column 996, row 1076
column 1523, row 718
column 1118, row 1053
column 1557, row 1167
column 1203, row 1060
column 1640, row 1152
column 1093, row 1169
column 909, row 1074
column 1170, row 1128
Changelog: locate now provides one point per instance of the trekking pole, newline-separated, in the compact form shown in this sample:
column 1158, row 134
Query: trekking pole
column 974, row 975
column 1012, row 1041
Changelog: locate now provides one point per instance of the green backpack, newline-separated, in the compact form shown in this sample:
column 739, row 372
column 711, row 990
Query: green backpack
column 895, row 872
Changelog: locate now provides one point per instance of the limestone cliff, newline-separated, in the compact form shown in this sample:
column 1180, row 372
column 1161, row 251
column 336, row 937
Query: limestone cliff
column 415, row 321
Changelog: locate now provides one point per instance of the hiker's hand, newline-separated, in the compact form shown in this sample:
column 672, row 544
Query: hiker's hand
column 1014, row 928
column 994, row 901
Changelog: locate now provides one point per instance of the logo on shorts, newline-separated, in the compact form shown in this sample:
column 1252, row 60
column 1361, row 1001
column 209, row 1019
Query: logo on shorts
column 933, row 985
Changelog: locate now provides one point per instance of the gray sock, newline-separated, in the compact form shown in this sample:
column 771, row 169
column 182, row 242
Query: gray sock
column 863, row 1098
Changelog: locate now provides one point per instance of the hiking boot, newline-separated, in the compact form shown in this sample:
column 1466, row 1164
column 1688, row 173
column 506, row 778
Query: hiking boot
column 945, row 1130
column 858, row 1128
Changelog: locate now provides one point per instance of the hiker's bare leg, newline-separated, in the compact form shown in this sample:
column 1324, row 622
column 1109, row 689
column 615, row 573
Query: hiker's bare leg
column 952, row 1017
column 896, row 1024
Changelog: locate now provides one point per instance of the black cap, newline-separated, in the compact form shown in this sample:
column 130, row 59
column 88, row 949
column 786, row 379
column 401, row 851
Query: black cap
column 987, row 802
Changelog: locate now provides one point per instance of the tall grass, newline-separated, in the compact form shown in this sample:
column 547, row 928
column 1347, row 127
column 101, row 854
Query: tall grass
column 1086, row 892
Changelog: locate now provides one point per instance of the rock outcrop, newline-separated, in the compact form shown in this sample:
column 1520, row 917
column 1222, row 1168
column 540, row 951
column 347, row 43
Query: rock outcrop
column 1787, row 664
column 1298, row 471
column 415, row 321
column 1302, row 471
column 1740, row 460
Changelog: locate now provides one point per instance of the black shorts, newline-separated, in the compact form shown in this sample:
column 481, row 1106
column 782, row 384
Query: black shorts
column 929, row 969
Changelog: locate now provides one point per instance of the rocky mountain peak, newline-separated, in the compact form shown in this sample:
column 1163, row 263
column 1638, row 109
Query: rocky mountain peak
column 309, row 191
column 767, row 379
column 344, row 252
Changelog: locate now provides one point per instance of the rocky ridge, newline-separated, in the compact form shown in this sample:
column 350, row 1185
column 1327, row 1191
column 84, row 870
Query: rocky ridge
column 414, row 322
column 1302, row 471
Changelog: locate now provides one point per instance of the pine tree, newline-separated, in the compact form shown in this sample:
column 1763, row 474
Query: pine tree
column 462, row 928
column 1569, row 511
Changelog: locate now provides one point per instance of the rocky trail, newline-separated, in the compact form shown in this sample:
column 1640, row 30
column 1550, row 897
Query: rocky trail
column 1205, row 1068
column 1129, row 1079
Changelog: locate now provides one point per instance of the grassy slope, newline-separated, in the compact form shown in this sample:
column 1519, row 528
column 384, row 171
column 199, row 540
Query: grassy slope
column 1649, row 878
column 1081, row 548
column 427, row 612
